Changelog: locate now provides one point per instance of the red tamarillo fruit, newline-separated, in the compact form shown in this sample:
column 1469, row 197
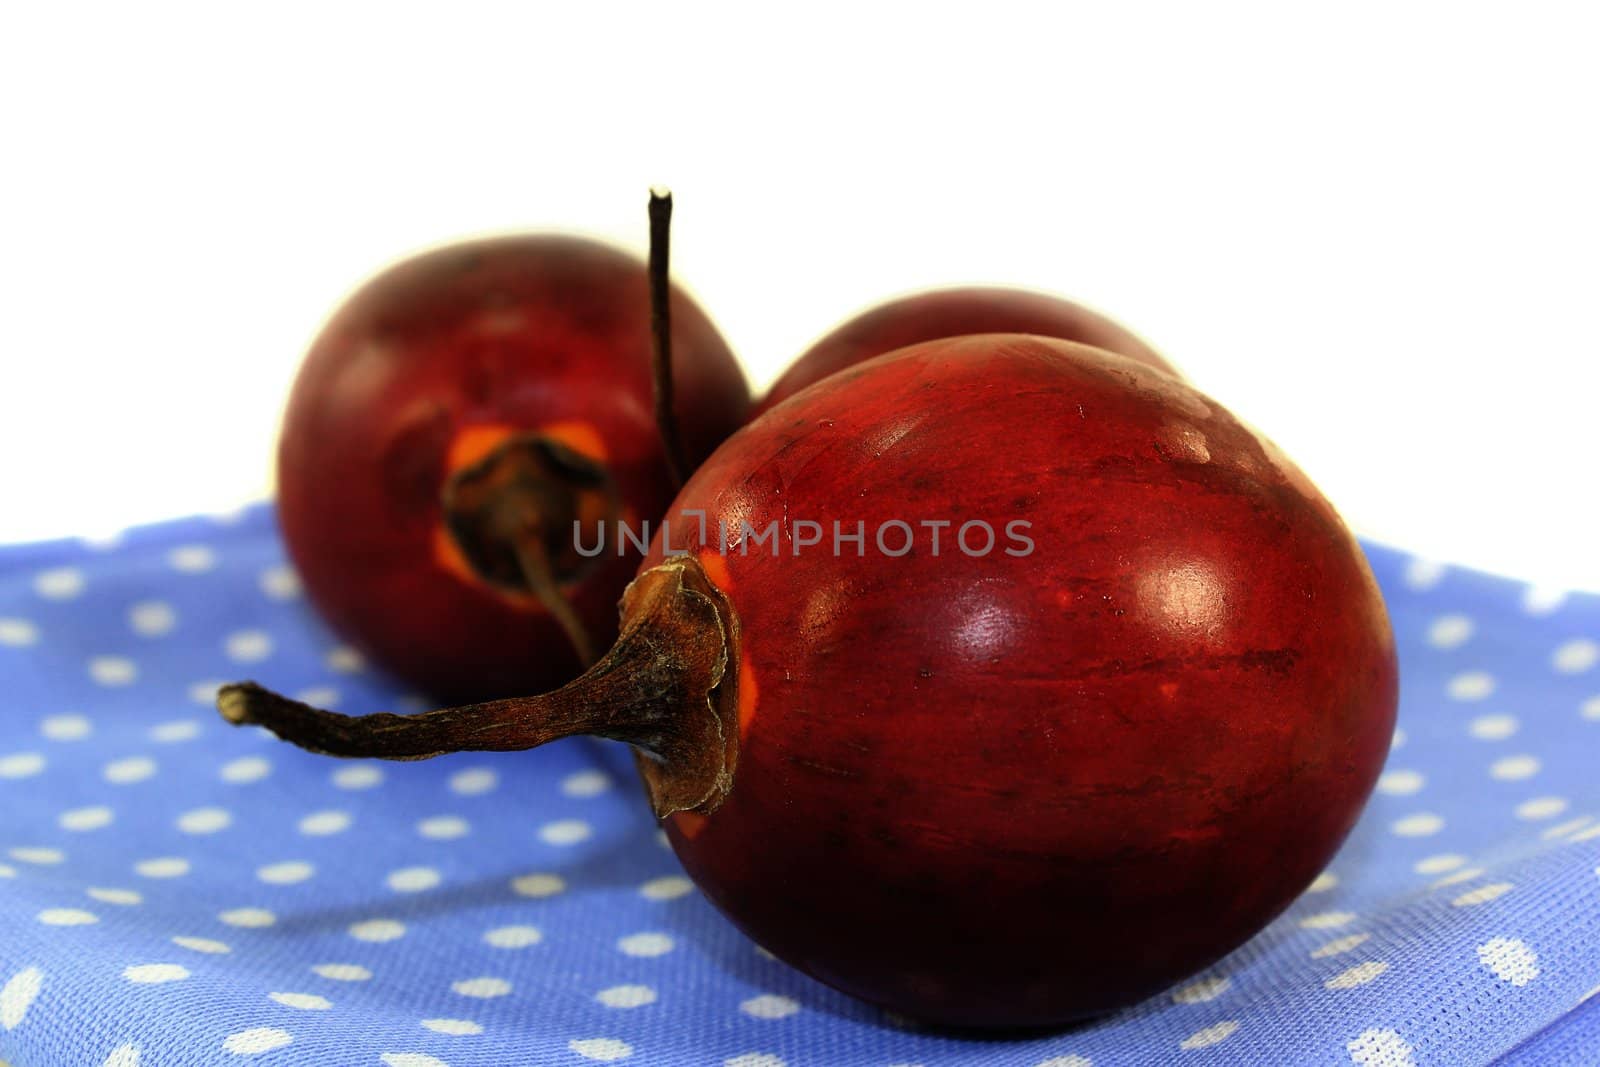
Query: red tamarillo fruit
column 450, row 425
column 939, row 313
column 1026, row 777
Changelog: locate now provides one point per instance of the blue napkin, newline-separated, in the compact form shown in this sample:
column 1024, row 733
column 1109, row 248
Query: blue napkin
column 177, row 891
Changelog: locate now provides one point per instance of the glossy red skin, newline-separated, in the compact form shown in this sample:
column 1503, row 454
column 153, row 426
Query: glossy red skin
column 1007, row 791
column 929, row 316
column 518, row 331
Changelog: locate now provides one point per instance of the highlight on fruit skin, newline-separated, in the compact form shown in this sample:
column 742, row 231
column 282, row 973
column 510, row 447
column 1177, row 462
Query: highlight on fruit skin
column 986, row 789
column 455, row 419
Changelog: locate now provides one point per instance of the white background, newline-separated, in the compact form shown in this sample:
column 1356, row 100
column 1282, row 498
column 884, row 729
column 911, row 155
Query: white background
column 1370, row 230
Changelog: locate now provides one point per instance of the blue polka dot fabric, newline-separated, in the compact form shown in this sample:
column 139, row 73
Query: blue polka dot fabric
column 177, row 891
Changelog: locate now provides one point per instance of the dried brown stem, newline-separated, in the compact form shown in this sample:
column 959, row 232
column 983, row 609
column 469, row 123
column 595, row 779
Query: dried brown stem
column 656, row 689
column 661, row 332
column 537, row 571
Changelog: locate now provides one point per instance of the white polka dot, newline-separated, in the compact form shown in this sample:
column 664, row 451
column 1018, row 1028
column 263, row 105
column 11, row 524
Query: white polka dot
column 342, row 972
column 289, row 872
column 162, row 867
column 646, row 945
column 1543, row 599
column 538, row 885
column 1541, row 808
column 33, row 854
column 168, row 733
column 123, row 1056
column 17, row 633
column 1339, row 946
column 443, row 827
column 325, row 823
column 103, row 540
column 1054, row 1061
column 204, row 821
column 79, row 819
column 1359, row 975
column 155, row 973
column 257, row 1040
column 1400, row 783
column 152, row 618
column 1571, row 826
column 1450, row 631
column 669, row 887
column 603, row 1049
column 344, row 660
column 301, row 1001
column 513, row 936
column 411, row 1059
column 321, row 696
column 769, row 1006
column 191, row 559
column 1422, row 824
column 377, row 930
column 205, row 691
column 130, row 770
column 413, row 879
column 1380, row 1048
column 7, row 871
column 453, row 1027
column 244, row 770
column 21, row 765
column 280, row 582
column 1447, row 861
column 1211, row 1035
column 565, row 832
column 113, row 670
column 1466, row 874
column 626, row 996
column 202, row 944
column 67, row 917
column 1202, row 989
column 1509, row 960
column 753, row 1059
column 1483, row 894
column 1422, row 574
column 586, row 784
column 115, row 896
column 17, row 995
column 1513, row 768
column 1398, row 740
column 65, row 727
column 62, row 583
column 357, row 776
column 248, row 646
column 482, row 988
column 1471, row 685
column 248, row 918
column 1327, row 920
column 1493, row 727
column 1590, row 709
column 1576, row 656
column 474, row 781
